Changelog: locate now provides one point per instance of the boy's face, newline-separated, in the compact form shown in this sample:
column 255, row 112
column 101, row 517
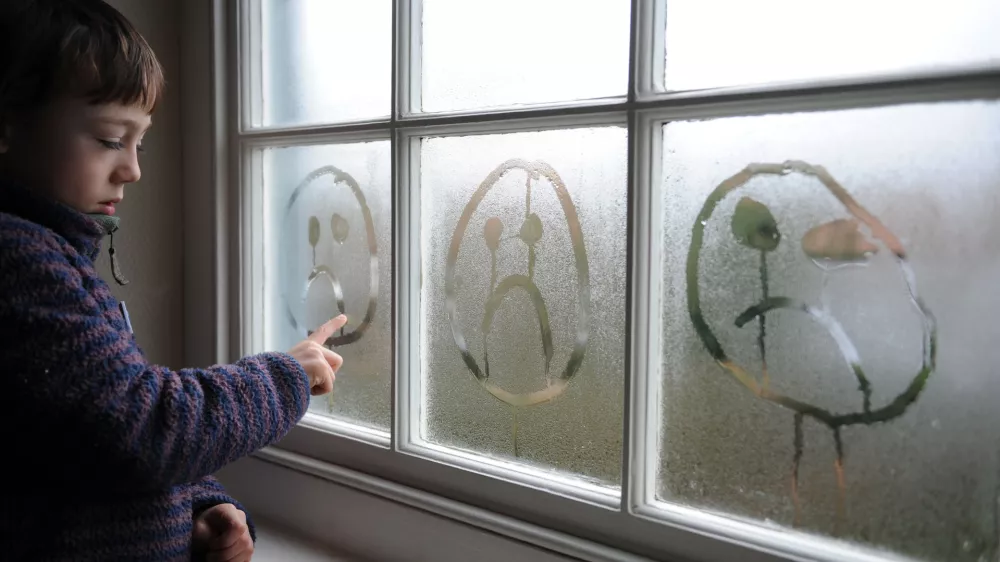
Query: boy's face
column 77, row 153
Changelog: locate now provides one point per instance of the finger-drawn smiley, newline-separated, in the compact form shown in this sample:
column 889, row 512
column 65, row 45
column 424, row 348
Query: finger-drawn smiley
column 531, row 233
column 336, row 228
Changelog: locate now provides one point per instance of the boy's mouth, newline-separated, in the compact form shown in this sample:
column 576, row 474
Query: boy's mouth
column 108, row 207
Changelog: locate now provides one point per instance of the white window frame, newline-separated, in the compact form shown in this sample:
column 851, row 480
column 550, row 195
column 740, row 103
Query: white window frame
column 504, row 498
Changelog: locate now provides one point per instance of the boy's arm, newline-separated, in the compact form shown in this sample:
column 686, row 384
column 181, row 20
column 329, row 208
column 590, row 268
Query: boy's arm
column 84, row 408
column 208, row 492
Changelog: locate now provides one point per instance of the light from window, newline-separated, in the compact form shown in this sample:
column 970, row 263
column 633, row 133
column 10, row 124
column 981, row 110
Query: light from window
column 487, row 54
column 326, row 60
column 712, row 43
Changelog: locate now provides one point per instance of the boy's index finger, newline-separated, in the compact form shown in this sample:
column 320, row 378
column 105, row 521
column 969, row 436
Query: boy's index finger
column 326, row 330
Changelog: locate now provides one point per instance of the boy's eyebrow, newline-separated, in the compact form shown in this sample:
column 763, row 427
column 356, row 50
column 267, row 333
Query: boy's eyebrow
column 132, row 123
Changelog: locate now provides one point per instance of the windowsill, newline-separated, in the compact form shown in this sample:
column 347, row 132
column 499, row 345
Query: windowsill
column 331, row 517
column 275, row 544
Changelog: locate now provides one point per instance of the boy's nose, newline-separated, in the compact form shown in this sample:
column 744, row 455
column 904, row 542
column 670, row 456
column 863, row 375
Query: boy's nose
column 128, row 171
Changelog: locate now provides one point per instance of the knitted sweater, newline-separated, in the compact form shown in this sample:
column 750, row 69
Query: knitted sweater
column 108, row 457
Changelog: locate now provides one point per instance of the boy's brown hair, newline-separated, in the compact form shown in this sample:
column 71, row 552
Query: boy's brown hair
column 77, row 48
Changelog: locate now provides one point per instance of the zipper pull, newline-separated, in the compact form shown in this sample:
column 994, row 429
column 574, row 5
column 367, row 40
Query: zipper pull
column 116, row 270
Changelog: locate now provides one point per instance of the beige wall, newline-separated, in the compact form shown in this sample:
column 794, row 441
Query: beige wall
column 151, row 236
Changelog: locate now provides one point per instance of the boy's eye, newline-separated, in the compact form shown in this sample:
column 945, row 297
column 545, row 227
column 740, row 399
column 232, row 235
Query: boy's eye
column 112, row 145
column 118, row 145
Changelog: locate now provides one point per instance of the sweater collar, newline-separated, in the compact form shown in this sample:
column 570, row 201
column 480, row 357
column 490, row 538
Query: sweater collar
column 84, row 232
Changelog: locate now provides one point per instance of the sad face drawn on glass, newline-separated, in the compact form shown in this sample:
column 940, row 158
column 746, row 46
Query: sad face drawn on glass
column 530, row 233
column 338, row 218
column 834, row 245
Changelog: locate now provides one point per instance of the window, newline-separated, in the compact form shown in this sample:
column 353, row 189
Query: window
column 686, row 278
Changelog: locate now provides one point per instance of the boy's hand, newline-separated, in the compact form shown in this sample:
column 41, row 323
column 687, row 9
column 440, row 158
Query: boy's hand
column 320, row 363
column 221, row 534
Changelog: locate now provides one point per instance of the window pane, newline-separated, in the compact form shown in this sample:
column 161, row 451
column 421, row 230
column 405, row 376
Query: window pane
column 523, row 303
column 487, row 54
column 328, row 240
column 850, row 274
column 711, row 43
column 326, row 60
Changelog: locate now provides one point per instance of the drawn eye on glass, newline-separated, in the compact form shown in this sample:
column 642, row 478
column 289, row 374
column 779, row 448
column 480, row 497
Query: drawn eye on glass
column 322, row 287
column 830, row 246
column 530, row 232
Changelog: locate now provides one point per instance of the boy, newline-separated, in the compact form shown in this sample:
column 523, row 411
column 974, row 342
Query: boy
column 111, row 456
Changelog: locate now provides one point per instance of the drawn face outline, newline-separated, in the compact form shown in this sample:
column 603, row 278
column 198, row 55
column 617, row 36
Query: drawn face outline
column 867, row 415
column 559, row 385
column 323, row 271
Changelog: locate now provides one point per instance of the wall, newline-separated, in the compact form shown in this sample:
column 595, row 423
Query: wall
column 149, row 244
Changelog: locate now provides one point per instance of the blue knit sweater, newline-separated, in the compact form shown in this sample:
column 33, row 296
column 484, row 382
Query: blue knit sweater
column 108, row 458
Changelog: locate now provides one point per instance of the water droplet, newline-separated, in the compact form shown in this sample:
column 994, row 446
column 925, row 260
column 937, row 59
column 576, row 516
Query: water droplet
column 936, row 424
column 967, row 545
column 703, row 223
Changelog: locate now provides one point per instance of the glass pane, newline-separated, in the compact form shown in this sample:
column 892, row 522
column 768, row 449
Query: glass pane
column 829, row 324
column 487, row 54
column 712, row 43
column 326, row 60
column 328, row 242
column 523, row 302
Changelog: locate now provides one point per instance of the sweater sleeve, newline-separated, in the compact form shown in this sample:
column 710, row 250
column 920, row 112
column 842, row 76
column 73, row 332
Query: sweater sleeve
column 208, row 492
column 86, row 409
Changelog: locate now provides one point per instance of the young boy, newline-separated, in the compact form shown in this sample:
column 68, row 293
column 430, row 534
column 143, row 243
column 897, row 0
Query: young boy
column 108, row 457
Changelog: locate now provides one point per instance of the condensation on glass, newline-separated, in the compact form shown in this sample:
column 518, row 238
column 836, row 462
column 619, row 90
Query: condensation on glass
column 829, row 324
column 713, row 43
column 488, row 54
column 325, row 61
column 523, row 240
column 328, row 224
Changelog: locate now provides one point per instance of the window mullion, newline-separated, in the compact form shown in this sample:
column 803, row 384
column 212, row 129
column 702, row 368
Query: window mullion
column 398, row 19
column 633, row 235
column 406, row 57
column 406, row 291
column 406, row 224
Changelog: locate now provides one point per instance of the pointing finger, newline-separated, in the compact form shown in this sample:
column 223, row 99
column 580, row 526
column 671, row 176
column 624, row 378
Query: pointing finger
column 326, row 330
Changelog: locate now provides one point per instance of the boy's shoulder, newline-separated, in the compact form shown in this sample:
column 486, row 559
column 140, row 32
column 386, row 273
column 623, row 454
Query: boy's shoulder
column 19, row 235
column 14, row 225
